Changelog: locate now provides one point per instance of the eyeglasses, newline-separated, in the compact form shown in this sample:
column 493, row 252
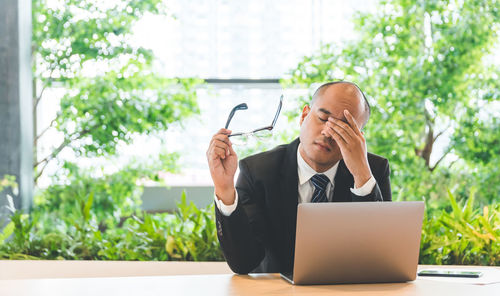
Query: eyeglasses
column 262, row 133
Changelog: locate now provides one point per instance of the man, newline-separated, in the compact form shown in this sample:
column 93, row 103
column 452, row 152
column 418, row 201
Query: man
column 256, row 219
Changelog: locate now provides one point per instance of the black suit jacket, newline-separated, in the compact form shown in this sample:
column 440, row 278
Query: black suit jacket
column 259, row 236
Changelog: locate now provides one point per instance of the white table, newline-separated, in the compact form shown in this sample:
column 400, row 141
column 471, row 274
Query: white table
column 207, row 278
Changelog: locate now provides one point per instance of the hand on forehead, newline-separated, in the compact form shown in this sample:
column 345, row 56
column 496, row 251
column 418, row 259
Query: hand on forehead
column 335, row 98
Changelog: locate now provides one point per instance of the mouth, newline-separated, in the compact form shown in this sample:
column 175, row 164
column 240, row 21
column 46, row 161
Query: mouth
column 323, row 146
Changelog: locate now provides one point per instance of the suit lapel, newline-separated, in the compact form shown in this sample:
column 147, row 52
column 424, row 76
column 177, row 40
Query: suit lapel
column 343, row 182
column 289, row 180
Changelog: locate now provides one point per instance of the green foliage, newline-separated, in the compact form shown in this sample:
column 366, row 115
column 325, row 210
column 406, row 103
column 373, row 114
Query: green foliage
column 113, row 195
column 458, row 234
column 425, row 68
column 478, row 140
column 462, row 235
column 194, row 234
column 85, row 229
column 8, row 182
column 111, row 89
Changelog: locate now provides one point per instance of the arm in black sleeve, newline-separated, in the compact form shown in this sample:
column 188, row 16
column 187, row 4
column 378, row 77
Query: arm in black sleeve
column 382, row 189
column 241, row 234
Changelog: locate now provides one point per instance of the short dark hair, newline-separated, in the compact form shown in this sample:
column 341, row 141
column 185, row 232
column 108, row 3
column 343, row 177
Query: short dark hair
column 324, row 86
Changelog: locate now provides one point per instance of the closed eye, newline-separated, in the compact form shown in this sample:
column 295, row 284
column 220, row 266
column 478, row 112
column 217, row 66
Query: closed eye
column 322, row 120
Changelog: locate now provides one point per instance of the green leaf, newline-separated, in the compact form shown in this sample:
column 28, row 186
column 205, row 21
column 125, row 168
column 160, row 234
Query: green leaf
column 468, row 211
column 88, row 206
column 457, row 213
column 7, row 232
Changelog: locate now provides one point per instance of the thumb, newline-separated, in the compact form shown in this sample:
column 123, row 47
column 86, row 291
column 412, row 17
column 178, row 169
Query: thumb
column 231, row 151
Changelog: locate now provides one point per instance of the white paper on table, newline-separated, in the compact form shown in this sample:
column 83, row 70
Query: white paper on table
column 490, row 276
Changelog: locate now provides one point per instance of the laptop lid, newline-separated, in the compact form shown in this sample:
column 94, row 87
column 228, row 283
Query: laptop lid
column 357, row 242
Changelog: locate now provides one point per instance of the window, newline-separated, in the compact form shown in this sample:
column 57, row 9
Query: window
column 242, row 49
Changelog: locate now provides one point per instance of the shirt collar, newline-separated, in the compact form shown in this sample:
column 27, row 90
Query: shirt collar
column 305, row 172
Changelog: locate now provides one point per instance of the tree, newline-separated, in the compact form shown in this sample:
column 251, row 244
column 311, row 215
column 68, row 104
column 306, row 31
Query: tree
column 424, row 67
column 121, row 96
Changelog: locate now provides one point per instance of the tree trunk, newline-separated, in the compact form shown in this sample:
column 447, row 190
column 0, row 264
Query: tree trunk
column 426, row 151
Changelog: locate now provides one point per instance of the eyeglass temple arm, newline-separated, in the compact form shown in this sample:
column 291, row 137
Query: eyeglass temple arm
column 277, row 112
column 270, row 127
column 242, row 106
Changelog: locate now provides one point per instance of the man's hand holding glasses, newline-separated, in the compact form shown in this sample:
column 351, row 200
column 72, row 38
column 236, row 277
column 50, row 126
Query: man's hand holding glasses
column 223, row 161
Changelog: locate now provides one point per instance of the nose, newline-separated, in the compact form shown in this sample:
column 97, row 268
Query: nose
column 327, row 140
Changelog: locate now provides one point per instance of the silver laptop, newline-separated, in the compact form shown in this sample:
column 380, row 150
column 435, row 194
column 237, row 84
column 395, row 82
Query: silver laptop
column 357, row 242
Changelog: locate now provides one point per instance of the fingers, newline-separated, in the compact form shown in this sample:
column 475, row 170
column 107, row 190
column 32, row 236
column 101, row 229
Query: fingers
column 352, row 122
column 218, row 149
column 341, row 128
column 219, row 145
column 222, row 135
column 224, row 131
column 218, row 152
column 221, row 138
column 345, row 134
column 331, row 133
column 348, row 131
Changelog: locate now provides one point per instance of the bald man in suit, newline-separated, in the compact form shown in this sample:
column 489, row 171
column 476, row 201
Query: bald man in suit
column 256, row 218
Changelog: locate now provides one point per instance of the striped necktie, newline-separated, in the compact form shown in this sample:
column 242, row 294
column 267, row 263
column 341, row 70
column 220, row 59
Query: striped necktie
column 319, row 181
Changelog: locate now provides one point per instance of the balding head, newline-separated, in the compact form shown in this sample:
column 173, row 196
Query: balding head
column 350, row 92
column 330, row 102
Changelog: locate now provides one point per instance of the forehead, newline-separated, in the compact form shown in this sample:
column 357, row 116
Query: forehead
column 338, row 97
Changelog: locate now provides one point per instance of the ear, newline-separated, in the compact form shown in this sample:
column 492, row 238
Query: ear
column 305, row 111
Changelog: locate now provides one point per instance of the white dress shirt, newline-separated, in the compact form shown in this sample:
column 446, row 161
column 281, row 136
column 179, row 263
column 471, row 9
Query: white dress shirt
column 306, row 187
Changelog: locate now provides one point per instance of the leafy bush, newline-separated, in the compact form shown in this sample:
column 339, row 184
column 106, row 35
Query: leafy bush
column 453, row 233
column 189, row 234
column 462, row 235
column 99, row 218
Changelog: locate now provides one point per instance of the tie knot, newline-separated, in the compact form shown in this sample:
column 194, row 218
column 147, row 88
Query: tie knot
column 320, row 181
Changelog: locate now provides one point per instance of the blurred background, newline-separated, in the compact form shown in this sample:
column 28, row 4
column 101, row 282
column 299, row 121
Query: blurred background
column 126, row 95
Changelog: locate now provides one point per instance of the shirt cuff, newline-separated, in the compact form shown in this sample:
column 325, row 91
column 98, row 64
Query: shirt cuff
column 366, row 188
column 227, row 210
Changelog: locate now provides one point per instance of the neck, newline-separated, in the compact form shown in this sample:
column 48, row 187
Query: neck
column 319, row 167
